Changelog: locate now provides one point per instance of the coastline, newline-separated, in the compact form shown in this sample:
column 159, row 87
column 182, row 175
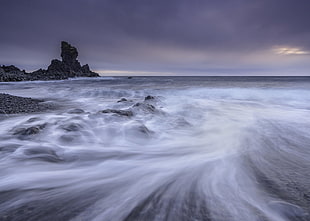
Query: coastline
column 10, row 104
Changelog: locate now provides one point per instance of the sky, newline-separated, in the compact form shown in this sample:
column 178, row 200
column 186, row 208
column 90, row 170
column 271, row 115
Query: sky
column 160, row 37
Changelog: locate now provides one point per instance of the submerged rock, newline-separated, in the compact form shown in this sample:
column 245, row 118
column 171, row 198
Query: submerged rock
column 30, row 130
column 143, row 129
column 72, row 127
column 126, row 113
column 42, row 153
column 76, row 111
column 145, row 107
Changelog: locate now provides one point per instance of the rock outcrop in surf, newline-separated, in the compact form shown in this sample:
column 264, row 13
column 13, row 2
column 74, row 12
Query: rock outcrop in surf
column 68, row 67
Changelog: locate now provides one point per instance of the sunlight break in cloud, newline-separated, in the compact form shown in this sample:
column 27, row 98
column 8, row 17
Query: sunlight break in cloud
column 290, row 51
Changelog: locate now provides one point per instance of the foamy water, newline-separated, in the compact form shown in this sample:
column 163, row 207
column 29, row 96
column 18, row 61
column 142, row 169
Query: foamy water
column 200, row 150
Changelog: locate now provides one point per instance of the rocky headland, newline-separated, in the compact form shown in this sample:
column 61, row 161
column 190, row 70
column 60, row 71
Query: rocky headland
column 68, row 67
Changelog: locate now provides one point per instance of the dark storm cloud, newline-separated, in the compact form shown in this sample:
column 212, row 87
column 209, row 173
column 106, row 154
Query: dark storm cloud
column 144, row 32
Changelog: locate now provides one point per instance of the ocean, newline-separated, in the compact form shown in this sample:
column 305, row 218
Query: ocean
column 175, row 148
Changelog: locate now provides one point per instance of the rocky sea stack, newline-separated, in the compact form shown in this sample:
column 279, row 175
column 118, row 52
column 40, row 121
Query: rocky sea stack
column 68, row 67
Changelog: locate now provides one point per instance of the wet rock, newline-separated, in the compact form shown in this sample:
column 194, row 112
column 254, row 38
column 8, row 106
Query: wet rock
column 33, row 119
column 122, row 100
column 76, row 111
column 149, row 97
column 42, row 153
column 10, row 148
column 30, row 130
column 145, row 107
column 136, row 131
column 143, row 129
column 68, row 138
column 126, row 113
column 71, row 127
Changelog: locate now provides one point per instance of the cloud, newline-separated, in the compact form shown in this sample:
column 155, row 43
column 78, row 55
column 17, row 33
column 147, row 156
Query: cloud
column 124, row 34
column 290, row 51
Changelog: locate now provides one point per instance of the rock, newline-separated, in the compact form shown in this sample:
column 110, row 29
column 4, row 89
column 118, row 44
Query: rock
column 144, row 129
column 145, row 107
column 10, row 104
column 33, row 119
column 69, row 54
column 122, row 100
column 149, row 97
column 42, row 153
column 12, row 69
column 71, row 127
column 11, row 73
column 39, row 75
column 126, row 113
column 69, row 67
column 85, row 69
column 30, row 130
column 56, row 66
column 76, row 111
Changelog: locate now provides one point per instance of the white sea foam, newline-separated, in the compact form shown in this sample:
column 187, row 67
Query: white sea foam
column 194, row 152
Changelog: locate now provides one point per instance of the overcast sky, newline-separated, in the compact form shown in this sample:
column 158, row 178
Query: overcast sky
column 186, row 37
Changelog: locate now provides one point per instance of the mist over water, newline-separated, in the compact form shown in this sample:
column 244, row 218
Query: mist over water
column 200, row 149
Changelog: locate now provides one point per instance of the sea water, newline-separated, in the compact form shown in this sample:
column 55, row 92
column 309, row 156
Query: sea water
column 198, row 148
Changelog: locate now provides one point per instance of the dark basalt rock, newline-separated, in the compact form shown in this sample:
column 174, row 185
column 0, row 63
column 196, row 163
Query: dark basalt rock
column 76, row 111
column 71, row 127
column 12, row 69
column 69, row 54
column 144, row 129
column 149, row 97
column 85, row 69
column 126, row 113
column 30, row 130
column 122, row 100
column 145, row 107
column 11, row 73
column 69, row 67
column 42, row 153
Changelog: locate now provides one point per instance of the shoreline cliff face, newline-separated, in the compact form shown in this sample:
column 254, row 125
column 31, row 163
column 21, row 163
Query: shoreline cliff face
column 68, row 67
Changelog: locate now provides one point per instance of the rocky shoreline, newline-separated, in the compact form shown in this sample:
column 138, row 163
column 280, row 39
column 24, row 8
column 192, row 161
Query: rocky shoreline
column 68, row 67
column 10, row 104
